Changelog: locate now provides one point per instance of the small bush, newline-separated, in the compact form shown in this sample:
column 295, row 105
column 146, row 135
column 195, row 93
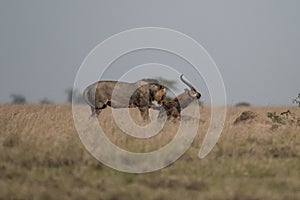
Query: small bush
column 284, row 118
column 45, row 101
column 18, row 98
column 245, row 116
column 276, row 118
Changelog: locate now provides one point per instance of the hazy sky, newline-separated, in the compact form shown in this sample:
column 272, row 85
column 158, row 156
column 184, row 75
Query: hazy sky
column 255, row 43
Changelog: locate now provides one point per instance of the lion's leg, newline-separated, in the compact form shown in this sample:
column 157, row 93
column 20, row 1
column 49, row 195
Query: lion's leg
column 98, row 111
column 162, row 113
column 144, row 113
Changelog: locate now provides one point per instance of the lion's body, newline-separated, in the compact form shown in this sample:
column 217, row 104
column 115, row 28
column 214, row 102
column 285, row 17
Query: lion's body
column 115, row 94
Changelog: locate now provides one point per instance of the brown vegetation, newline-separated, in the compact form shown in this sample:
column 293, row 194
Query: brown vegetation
column 245, row 116
column 41, row 157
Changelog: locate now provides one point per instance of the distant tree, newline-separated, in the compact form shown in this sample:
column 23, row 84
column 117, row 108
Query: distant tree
column 297, row 100
column 69, row 93
column 244, row 104
column 78, row 97
column 18, row 98
column 170, row 84
column 75, row 95
column 45, row 101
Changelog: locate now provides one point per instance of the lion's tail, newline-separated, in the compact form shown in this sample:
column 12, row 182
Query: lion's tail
column 86, row 96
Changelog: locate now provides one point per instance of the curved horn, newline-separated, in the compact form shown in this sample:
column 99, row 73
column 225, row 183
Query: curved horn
column 187, row 83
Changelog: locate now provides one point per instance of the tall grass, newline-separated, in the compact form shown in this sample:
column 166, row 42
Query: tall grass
column 41, row 157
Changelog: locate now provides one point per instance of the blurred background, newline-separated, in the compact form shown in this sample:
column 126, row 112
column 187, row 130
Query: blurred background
column 255, row 45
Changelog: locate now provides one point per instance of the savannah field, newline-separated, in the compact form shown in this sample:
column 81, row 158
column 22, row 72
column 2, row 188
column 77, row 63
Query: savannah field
column 42, row 157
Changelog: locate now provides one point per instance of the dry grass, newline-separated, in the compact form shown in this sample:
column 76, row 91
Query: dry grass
column 41, row 157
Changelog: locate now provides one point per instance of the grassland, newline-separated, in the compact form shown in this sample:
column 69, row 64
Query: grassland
column 41, row 157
